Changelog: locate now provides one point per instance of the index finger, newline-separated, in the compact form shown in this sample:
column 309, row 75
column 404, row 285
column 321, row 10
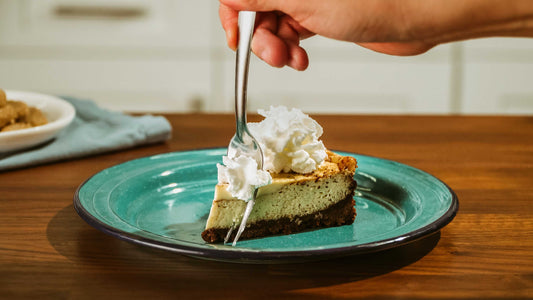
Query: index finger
column 229, row 19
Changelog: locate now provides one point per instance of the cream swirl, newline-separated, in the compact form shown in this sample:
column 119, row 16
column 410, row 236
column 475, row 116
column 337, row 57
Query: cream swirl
column 289, row 140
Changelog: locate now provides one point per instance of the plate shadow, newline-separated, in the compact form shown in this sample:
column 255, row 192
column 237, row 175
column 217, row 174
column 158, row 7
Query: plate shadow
column 127, row 265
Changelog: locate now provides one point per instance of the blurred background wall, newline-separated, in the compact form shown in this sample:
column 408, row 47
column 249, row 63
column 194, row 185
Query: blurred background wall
column 171, row 56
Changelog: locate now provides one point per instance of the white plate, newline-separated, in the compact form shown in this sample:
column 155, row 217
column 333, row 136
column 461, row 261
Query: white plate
column 59, row 113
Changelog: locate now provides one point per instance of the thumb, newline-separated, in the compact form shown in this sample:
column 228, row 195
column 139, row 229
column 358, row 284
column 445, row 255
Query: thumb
column 399, row 48
column 254, row 5
column 295, row 8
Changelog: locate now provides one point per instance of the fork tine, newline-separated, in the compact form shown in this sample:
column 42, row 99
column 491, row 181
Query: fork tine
column 247, row 212
column 226, row 239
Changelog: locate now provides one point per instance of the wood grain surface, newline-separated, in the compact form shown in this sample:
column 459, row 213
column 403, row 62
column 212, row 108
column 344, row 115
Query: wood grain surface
column 48, row 252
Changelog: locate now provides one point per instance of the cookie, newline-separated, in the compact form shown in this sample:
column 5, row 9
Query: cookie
column 15, row 126
column 3, row 98
column 7, row 115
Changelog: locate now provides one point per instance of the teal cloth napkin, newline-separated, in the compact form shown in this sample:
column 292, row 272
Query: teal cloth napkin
column 94, row 130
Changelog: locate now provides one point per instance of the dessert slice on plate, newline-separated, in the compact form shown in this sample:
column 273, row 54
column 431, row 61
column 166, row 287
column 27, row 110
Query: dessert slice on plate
column 291, row 203
column 307, row 186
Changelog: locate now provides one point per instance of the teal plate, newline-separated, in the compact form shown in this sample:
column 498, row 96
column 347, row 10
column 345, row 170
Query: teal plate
column 163, row 201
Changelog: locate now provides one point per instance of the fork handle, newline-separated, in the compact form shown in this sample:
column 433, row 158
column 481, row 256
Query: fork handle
column 246, row 29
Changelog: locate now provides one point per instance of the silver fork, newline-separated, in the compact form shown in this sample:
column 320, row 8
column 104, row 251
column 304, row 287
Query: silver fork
column 243, row 143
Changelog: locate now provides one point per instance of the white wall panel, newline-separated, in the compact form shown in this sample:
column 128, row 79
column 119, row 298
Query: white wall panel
column 351, row 80
column 124, row 85
column 498, row 76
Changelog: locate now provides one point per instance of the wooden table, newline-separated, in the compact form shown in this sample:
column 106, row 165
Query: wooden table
column 48, row 251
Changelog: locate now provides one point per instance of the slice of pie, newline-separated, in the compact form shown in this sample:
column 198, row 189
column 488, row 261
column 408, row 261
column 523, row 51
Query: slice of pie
column 291, row 203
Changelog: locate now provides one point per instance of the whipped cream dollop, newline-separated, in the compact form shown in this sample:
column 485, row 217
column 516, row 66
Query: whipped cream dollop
column 242, row 176
column 290, row 142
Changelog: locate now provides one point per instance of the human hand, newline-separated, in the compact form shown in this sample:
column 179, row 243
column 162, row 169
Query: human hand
column 396, row 27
